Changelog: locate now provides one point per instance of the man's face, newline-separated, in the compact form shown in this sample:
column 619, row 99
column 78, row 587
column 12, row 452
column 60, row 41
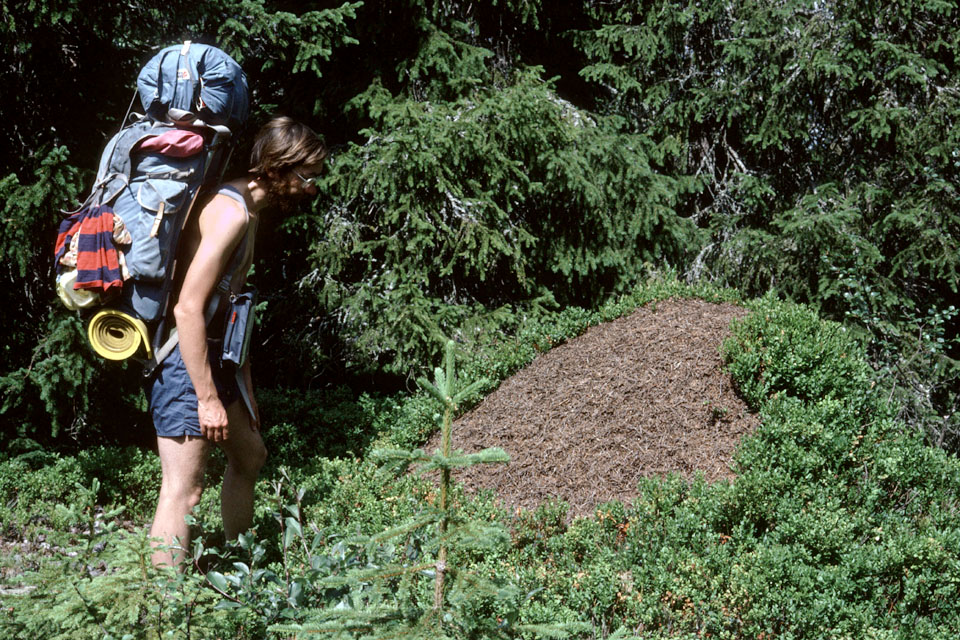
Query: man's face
column 293, row 185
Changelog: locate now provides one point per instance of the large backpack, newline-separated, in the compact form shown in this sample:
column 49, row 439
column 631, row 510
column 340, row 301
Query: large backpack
column 116, row 254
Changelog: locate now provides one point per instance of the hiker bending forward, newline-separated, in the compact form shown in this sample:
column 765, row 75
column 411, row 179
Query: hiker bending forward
column 195, row 400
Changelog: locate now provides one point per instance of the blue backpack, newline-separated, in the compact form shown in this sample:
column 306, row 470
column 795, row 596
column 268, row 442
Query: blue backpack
column 116, row 254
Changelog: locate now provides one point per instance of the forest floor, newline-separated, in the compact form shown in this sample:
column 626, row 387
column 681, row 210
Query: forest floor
column 643, row 395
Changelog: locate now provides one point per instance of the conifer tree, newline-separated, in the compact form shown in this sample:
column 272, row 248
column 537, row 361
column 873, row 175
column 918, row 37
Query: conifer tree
column 396, row 599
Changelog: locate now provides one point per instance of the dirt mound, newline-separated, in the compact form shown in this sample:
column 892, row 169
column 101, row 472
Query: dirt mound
column 640, row 396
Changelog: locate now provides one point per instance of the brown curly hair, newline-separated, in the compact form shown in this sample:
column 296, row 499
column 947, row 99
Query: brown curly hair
column 283, row 144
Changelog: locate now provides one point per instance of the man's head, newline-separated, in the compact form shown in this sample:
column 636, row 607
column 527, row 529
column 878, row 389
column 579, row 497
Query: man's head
column 286, row 156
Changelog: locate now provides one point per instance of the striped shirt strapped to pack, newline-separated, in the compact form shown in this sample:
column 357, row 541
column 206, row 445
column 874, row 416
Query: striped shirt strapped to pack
column 92, row 231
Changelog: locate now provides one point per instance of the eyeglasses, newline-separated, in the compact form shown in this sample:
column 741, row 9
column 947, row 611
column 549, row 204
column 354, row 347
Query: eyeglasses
column 306, row 181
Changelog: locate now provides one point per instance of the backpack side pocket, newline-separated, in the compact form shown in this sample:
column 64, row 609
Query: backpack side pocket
column 238, row 327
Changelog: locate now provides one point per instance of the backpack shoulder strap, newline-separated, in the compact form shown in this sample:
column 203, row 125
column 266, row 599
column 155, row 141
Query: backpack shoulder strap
column 220, row 293
column 164, row 350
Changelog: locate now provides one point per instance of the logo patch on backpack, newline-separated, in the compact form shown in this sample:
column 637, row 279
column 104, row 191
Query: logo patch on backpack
column 183, row 73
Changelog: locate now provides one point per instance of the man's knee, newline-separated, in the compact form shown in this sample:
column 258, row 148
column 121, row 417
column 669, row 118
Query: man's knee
column 183, row 493
column 249, row 461
column 258, row 457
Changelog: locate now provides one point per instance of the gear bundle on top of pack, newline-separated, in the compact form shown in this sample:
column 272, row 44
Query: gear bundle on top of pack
column 116, row 254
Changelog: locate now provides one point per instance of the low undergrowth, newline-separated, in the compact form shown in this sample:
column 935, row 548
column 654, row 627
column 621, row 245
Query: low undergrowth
column 840, row 523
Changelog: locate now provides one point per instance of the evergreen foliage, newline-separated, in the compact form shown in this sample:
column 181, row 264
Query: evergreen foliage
column 40, row 345
column 453, row 209
column 494, row 158
column 822, row 135
column 504, row 172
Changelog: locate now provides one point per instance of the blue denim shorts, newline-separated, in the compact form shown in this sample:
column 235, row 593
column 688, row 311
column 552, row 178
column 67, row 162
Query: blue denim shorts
column 173, row 400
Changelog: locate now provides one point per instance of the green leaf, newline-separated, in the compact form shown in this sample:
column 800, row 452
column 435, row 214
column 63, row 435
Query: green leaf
column 217, row 579
column 292, row 530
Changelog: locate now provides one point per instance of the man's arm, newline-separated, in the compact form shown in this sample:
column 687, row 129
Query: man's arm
column 222, row 224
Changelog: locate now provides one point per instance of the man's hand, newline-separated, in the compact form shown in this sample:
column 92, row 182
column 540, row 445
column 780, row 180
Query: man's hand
column 213, row 420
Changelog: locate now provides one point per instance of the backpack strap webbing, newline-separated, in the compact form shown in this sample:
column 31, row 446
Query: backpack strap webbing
column 222, row 291
column 165, row 349
column 174, row 338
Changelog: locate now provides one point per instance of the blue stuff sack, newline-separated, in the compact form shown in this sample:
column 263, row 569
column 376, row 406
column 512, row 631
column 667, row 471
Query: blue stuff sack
column 238, row 327
column 195, row 81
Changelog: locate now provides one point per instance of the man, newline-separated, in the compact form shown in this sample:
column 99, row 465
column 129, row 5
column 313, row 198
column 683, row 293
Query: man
column 195, row 400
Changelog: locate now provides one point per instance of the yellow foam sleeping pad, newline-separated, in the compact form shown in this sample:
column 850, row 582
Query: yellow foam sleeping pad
column 116, row 335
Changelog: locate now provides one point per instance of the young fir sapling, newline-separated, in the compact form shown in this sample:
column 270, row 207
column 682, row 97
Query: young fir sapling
column 389, row 599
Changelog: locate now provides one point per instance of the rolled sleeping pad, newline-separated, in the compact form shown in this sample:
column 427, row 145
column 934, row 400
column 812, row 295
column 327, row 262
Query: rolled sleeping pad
column 116, row 335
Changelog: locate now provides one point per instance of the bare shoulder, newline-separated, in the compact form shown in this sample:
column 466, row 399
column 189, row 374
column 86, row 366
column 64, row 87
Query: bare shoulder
column 223, row 217
column 221, row 205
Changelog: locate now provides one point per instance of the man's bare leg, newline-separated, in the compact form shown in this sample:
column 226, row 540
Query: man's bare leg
column 182, row 461
column 245, row 456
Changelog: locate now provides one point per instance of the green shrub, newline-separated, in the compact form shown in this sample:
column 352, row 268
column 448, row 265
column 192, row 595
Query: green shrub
column 840, row 522
column 129, row 476
column 340, row 579
column 786, row 349
column 32, row 485
column 301, row 424
column 473, row 201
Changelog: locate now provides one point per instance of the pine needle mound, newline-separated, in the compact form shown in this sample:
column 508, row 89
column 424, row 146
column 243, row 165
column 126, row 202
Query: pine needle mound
column 640, row 396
